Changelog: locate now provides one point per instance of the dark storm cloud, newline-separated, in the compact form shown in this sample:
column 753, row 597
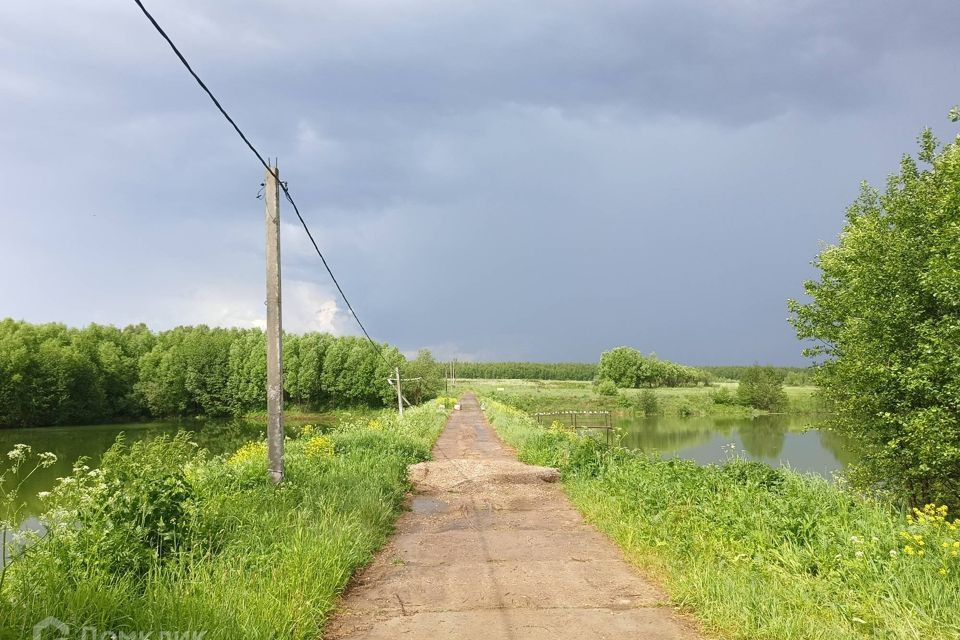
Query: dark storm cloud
column 531, row 180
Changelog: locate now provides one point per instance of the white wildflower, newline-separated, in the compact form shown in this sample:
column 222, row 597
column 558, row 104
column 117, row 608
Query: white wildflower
column 47, row 459
column 19, row 452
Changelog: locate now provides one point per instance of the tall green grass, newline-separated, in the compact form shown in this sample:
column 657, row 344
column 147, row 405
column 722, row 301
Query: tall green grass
column 165, row 538
column 756, row 552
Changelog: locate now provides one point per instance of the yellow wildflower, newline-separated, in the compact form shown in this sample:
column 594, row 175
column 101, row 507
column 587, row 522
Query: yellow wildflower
column 319, row 447
column 249, row 451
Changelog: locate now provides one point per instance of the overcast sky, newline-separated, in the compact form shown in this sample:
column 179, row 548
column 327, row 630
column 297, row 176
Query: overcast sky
column 494, row 180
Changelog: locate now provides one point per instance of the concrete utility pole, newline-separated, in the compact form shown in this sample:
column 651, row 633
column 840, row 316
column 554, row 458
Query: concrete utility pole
column 274, row 331
column 399, row 393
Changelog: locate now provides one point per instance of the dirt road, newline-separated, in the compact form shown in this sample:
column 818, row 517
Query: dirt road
column 492, row 548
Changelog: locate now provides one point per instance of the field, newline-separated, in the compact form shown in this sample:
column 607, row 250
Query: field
column 557, row 395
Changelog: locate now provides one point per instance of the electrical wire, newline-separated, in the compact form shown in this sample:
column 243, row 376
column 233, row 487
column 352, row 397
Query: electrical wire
column 272, row 170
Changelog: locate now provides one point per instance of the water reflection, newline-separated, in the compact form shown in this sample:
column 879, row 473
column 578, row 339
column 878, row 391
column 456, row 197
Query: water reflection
column 793, row 441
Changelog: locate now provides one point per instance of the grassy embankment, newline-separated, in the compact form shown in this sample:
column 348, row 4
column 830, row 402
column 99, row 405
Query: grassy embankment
column 163, row 537
column 755, row 552
column 553, row 395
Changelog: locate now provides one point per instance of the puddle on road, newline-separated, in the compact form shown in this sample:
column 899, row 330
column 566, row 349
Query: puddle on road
column 426, row 504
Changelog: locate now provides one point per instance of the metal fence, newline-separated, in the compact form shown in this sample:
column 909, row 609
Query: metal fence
column 578, row 420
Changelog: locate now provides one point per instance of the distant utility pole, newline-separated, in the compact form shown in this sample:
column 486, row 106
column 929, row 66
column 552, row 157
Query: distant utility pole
column 399, row 392
column 274, row 330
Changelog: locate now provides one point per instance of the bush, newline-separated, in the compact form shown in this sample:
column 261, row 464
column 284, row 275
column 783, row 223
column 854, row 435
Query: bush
column 606, row 388
column 131, row 514
column 647, row 402
column 722, row 396
column 762, row 388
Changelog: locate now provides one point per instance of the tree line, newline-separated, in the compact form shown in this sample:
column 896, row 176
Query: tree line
column 525, row 370
column 792, row 376
column 54, row 374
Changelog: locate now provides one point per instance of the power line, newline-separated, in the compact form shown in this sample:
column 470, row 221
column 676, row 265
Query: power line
column 283, row 185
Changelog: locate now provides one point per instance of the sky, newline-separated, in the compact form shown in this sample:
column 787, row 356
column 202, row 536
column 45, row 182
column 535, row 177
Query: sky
column 538, row 180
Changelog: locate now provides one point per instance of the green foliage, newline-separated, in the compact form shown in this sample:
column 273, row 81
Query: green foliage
column 127, row 516
column 165, row 537
column 756, row 552
column 53, row 375
column 886, row 317
column 426, row 377
column 647, row 402
column 793, row 376
column 525, row 370
column 606, row 388
column 628, row 368
column 58, row 375
column 19, row 464
column 722, row 396
column 762, row 388
column 555, row 395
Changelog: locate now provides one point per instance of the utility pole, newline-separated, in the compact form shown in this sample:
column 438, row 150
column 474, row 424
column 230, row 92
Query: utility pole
column 274, row 331
column 399, row 393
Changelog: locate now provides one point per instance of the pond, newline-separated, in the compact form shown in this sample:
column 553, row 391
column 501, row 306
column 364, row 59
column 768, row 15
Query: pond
column 781, row 441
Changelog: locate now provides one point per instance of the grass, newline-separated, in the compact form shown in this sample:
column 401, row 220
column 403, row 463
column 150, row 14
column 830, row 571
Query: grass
column 165, row 538
column 554, row 395
column 755, row 552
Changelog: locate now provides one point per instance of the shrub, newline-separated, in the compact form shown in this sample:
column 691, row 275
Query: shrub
column 606, row 388
column 722, row 396
column 648, row 402
column 762, row 388
column 132, row 513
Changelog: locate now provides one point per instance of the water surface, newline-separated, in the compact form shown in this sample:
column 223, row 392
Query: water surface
column 797, row 442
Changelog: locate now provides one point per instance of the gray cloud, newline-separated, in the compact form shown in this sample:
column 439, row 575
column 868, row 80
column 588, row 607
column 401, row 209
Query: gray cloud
column 534, row 180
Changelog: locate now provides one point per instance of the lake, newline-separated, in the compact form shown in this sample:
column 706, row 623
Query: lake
column 780, row 441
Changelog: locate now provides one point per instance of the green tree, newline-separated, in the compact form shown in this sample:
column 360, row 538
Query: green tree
column 762, row 388
column 885, row 315
column 247, row 372
column 620, row 366
column 429, row 374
